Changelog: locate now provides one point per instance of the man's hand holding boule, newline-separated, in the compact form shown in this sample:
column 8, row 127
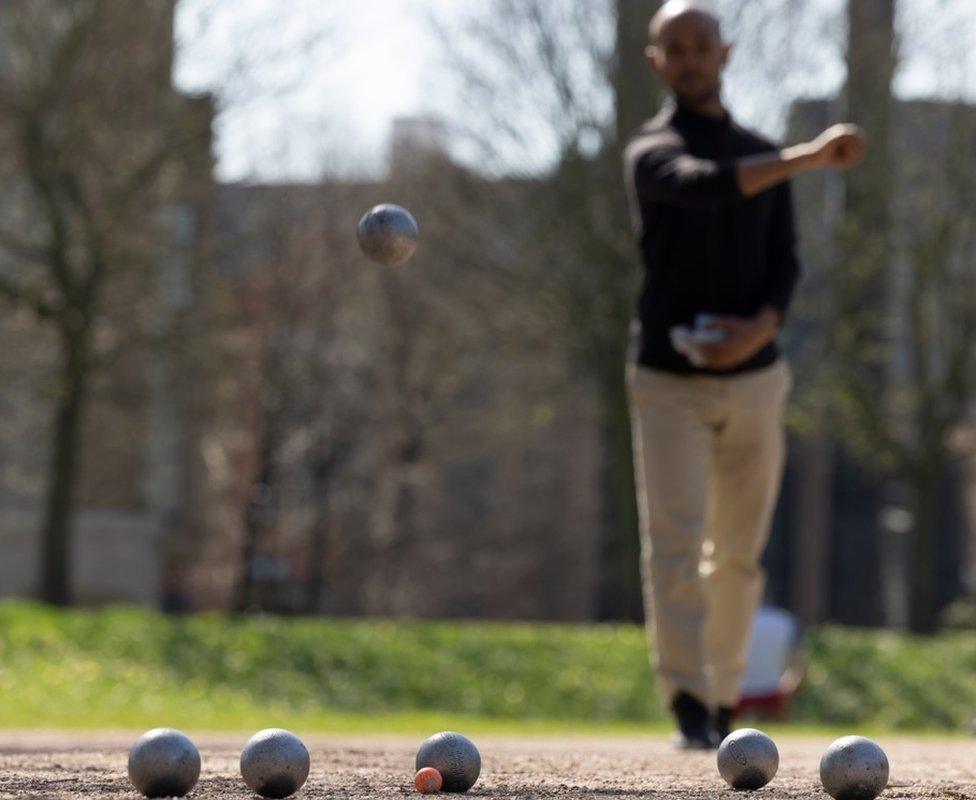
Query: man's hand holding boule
column 744, row 337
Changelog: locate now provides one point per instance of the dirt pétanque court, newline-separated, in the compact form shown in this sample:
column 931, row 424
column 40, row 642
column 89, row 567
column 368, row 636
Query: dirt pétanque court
column 77, row 765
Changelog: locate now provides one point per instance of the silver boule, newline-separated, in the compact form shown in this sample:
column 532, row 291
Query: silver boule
column 454, row 756
column 854, row 768
column 164, row 763
column 748, row 759
column 275, row 763
column 388, row 234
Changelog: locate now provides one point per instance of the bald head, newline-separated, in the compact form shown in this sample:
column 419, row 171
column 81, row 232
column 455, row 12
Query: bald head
column 675, row 10
column 688, row 53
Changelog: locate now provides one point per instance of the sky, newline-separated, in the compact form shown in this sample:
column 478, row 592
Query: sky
column 341, row 93
column 334, row 74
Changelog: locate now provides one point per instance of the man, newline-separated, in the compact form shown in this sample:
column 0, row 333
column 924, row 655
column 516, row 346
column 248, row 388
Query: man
column 713, row 213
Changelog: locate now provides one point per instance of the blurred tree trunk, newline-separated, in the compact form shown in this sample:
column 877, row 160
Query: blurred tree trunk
column 327, row 466
column 637, row 93
column 871, row 62
column 63, row 473
column 257, row 514
column 867, row 242
column 636, row 96
column 811, row 537
column 619, row 590
column 860, row 332
column 926, row 480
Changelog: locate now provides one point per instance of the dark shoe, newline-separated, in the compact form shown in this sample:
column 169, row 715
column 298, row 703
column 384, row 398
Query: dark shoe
column 694, row 723
column 722, row 723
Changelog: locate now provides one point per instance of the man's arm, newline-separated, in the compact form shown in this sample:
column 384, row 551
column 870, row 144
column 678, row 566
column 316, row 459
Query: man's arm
column 839, row 148
column 665, row 172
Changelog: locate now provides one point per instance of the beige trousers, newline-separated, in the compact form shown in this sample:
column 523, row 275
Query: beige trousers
column 709, row 455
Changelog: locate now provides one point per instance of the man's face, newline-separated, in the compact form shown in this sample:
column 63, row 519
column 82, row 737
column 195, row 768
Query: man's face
column 690, row 56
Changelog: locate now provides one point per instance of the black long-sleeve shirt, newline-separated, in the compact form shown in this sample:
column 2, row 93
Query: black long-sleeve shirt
column 705, row 246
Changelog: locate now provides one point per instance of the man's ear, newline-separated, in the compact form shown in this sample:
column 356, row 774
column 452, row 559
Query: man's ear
column 727, row 48
column 653, row 55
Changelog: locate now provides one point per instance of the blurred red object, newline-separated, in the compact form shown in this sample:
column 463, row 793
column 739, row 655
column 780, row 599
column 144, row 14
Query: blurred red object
column 775, row 707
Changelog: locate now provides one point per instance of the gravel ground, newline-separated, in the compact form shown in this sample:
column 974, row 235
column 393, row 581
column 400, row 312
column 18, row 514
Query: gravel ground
column 80, row 765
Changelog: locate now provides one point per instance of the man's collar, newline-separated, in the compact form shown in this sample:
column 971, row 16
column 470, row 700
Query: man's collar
column 687, row 114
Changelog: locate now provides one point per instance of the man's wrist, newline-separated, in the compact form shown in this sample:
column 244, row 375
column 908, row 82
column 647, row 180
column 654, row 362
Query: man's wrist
column 767, row 323
column 772, row 315
column 801, row 157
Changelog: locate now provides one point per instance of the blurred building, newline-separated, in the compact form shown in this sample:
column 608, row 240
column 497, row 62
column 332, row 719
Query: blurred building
column 297, row 430
column 412, row 461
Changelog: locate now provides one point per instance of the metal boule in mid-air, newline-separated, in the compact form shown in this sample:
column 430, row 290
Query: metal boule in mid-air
column 164, row 763
column 748, row 759
column 854, row 768
column 388, row 234
column 454, row 756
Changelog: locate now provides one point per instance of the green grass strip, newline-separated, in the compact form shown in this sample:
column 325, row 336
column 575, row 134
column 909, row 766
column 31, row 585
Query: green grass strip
column 131, row 668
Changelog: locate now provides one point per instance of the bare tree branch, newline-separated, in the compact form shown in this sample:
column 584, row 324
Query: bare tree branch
column 22, row 250
column 21, row 296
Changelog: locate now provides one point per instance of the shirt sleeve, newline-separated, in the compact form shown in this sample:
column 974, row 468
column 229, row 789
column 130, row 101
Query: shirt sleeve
column 784, row 266
column 664, row 172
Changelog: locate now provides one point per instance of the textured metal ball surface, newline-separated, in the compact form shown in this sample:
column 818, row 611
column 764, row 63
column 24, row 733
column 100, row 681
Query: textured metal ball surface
column 748, row 759
column 854, row 768
column 275, row 763
column 164, row 763
column 388, row 234
column 454, row 756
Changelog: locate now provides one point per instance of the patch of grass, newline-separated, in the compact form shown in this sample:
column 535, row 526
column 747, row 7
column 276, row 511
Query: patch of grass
column 890, row 680
column 132, row 668
column 124, row 667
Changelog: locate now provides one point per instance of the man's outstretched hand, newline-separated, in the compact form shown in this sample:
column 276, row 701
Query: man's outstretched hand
column 840, row 147
column 744, row 337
